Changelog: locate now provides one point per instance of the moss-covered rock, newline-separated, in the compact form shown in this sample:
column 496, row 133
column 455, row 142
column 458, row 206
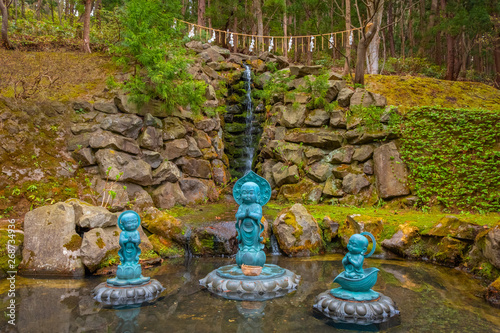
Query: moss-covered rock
column 493, row 293
column 401, row 240
column 297, row 232
column 11, row 243
column 300, row 192
column 453, row 227
column 164, row 225
column 357, row 223
column 166, row 248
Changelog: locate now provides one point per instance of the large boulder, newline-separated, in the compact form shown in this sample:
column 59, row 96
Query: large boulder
column 334, row 87
column 151, row 138
column 338, row 119
column 344, row 97
column 88, row 216
column 167, row 195
column 356, row 224
column 304, row 191
column 51, row 244
column 219, row 172
column 297, row 232
column 390, row 170
column 340, row 155
column 317, row 118
column 367, row 98
column 319, row 172
column 354, row 183
column 493, row 293
column 164, row 225
column 127, row 168
column 452, row 226
column 127, row 125
column 104, row 139
column 489, row 243
column 167, row 171
column 333, row 187
column 287, row 152
column 317, row 137
column 362, row 153
column 300, row 70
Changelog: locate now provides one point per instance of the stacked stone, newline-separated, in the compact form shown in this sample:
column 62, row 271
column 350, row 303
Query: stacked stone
column 160, row 158
column 339, row 157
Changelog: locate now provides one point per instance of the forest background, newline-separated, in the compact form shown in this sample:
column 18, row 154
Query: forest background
column 445, row 39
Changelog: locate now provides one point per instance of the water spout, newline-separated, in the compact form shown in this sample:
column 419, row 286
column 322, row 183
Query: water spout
column 249, row 119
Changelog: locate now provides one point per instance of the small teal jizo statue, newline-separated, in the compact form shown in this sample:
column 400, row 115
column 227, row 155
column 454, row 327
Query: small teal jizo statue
column 129, row 271
column 356, row 282
column 251, row 192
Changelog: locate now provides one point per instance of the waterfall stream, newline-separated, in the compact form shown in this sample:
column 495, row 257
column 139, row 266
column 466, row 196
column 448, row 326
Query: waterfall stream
column 275, row 249
column 249, row 120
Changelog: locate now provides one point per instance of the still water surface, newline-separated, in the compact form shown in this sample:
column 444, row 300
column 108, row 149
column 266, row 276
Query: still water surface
column 430, row 298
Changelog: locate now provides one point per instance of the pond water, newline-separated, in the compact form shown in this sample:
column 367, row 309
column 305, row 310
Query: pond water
column 430, row 298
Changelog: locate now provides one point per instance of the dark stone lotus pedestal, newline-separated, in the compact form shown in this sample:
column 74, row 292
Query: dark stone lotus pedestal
column 111, row 295
column 230, row 282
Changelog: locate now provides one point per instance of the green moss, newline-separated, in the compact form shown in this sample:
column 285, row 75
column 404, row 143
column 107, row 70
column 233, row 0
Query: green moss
column 291, row 221
column 4, row 255
column 74, row 244
column 166, row 248
column 148, row 255
column 111, row 258
column 100, row 243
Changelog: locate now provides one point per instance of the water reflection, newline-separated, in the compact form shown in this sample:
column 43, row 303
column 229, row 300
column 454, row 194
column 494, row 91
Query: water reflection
column 430, row 298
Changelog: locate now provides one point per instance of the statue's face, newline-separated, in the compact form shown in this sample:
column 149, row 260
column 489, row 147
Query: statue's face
column 129, row 222
column 357, row 244
column 249, row 192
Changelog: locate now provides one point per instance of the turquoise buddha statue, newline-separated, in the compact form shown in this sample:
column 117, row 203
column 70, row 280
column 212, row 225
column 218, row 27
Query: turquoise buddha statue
column 251, row 192
column 129, row 271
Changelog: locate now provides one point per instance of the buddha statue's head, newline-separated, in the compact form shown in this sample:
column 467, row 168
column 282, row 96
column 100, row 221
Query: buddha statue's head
column 357, row 244
column 250, row 193
column 129, row 221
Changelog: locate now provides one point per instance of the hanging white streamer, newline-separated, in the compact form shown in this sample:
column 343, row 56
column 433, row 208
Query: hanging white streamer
column 330, row 45
column 290, row 44
column 175, row 24
column 312, row 43
column 271, row 44
column 351, row 38
column 231, row 41
column 252, row 44
column 212, row 38
column 191, row 33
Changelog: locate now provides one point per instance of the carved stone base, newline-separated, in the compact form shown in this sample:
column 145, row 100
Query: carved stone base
column 230, row 282
column 127, row 295
column 356, row 312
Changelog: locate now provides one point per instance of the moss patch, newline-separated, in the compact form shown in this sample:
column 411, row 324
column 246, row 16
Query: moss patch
column 100, row 243
column 75, row 243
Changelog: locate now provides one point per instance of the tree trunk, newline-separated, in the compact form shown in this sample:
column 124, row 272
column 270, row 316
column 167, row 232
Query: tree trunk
column 285, row 21
column 22, row 9
column 98, row 6
column 359, row 76
column 390, row 29
column 372, row 56
column 402, row 25
column 209, row 19
column 260, row 24
column 410, row 28
column 86, row 26
column 201, row 12
column 347, row 63
column 5, row 26
column 235, row 29
column 496, row 56
column 38, row 9
column 450, row 57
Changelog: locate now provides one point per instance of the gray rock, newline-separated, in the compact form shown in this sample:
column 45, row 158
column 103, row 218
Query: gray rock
column 104, row 139
column 362, row 153
column 193, row 150
column 341, row 170
column 220, row 174
column 279, row 133
column 174, row 149
column 103, row 188
column 344, row 97
column 297, row 98
column 88, row 216
column 124, row 104
column 195, row 45
column 293, row 116
column 134, row 169
column 127, row 125
column 167, row 171
column 222, row 51
column 317, row 118
column 353, row 122
column 367, row 98
column 297, row 232
column 300, row 71
column 84, row 157
column 338, row 119
column 207, row 125
column 214, row 239
column 82, row 106
column 195, row 190
column 340, row 155
column 267, row 171
column 79, row 141
column 334, row 87
column 150, row 120
column 174, row 129
column 320, row 171
column 84, row 128
column 317, row 137
column 167, row 195
column 284, row 174
column 368, row 167
column 153, row 158
column 262, row 79
column 390, row 170
column 150, row 138
column 210, row 93
column 202, row 139
column 314, row 154
column 491, row 246
column 109, row 108
column 353, row 183
column 333, row 187
column 195, row 167
column 335, row 76
column 401, row 240
column 287, row 152
column 51, row 244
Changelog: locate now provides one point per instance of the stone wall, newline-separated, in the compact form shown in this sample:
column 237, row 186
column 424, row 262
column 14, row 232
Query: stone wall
column 156, row 158
column 310, row 155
